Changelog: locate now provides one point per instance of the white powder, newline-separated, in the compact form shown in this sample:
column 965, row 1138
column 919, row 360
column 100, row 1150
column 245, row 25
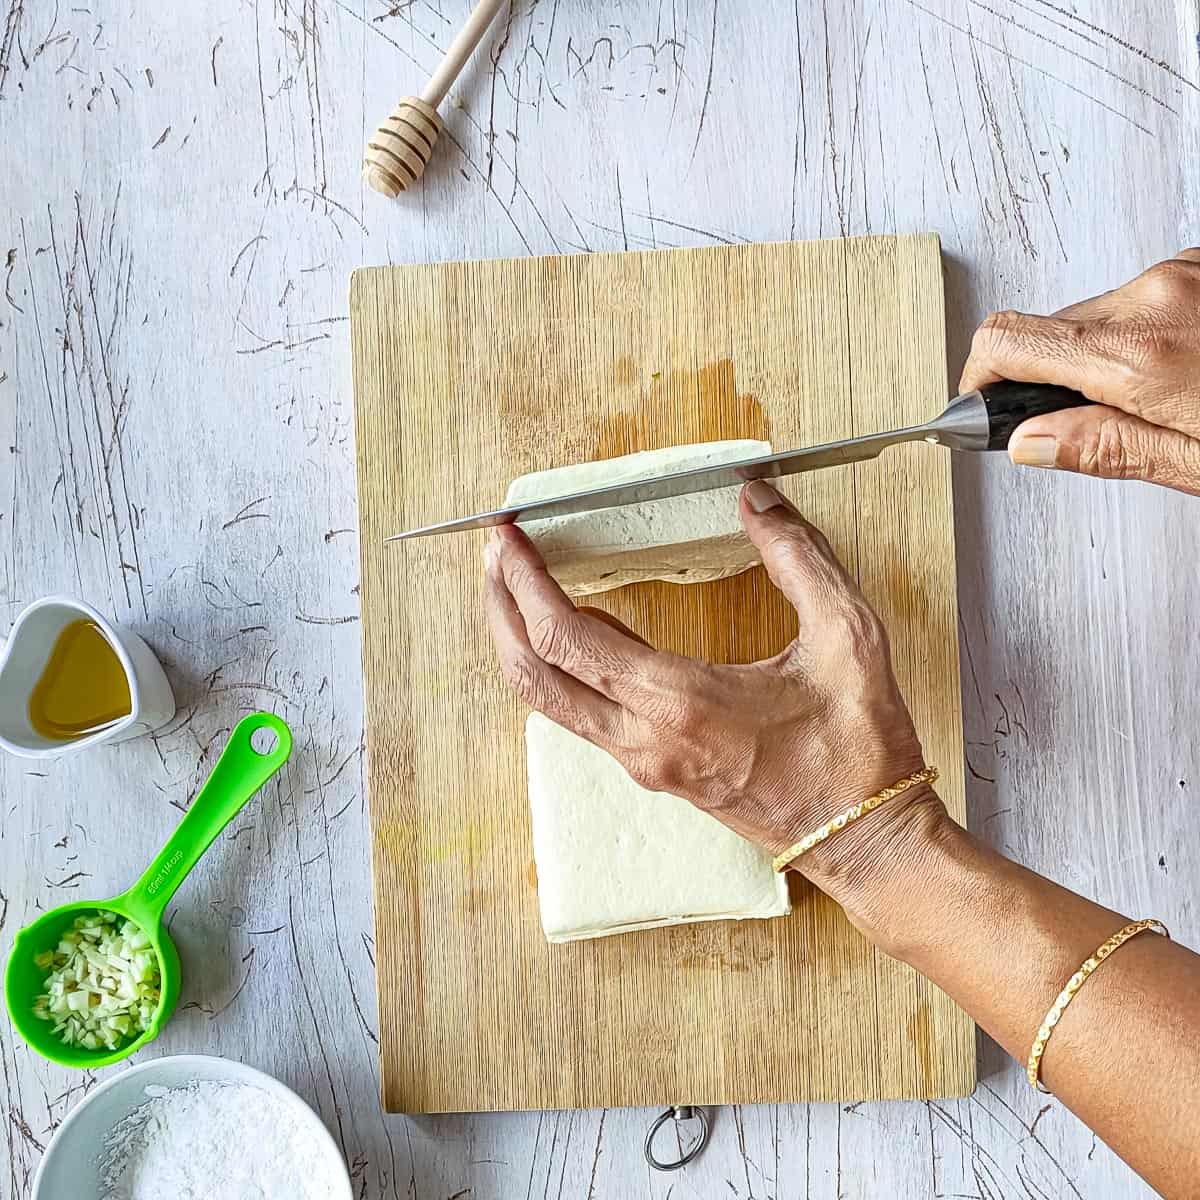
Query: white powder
column 217, row 1141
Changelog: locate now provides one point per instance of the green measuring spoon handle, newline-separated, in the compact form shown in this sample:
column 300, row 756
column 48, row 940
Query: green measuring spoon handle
column 240, row 772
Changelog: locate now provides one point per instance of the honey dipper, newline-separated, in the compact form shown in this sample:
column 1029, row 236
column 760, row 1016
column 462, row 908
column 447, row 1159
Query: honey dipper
column 399, row 150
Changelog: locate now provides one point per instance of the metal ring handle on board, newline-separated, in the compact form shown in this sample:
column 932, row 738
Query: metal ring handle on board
column 677, row 1113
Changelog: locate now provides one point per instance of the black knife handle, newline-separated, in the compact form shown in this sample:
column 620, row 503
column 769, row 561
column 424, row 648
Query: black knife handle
column 1008, row 404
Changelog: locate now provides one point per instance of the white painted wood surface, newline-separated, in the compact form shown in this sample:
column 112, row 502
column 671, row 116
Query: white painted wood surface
column 180, row 207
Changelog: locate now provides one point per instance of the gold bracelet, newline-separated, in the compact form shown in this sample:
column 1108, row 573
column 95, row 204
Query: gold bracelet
column 788, row 856
column 1033, row 1066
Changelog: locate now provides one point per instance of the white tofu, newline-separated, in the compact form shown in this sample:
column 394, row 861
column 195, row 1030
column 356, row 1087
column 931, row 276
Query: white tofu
column 685, row 539
column 612, row 857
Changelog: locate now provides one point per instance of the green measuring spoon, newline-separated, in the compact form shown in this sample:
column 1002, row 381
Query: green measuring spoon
column 240, row 772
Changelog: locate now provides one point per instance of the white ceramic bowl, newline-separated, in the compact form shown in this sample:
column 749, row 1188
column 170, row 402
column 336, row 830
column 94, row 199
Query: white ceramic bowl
column 70, row 1167
column 23, row 659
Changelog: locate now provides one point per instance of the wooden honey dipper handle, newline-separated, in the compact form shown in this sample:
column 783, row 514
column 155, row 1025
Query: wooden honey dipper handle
column 399, row 150
column 461, row 49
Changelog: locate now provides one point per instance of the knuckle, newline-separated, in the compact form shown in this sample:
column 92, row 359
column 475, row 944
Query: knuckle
column 527, row 678
column 1189, row 465
column 566, row 640
column 993, row 331
column 674, row 714
column 521, row 577
column 554, row 638
column 1009, row 334
column 1111, row 452
column 670, row 773
column 997, row 324
column 864, row 632
column 646, row 770
column 1170, row 283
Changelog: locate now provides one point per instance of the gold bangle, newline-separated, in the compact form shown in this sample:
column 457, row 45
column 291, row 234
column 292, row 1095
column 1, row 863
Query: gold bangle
column 806, row 843
column 1033, row 1066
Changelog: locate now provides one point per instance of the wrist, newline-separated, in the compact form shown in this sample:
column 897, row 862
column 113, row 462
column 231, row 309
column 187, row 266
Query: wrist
column 872, row 867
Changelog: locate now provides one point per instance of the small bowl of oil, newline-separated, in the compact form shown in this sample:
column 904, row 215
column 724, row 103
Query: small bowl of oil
column 70, row 679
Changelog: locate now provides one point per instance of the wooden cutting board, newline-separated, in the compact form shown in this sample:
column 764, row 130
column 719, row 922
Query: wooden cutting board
column 467, row 374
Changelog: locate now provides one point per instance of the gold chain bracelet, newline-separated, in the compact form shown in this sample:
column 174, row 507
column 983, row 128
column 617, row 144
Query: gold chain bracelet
column 806, row 843
column 1034, row 1065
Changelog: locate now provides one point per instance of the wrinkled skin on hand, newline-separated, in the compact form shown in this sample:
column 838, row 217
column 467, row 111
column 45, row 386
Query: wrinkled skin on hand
column 1135, row 351
column 773, row 749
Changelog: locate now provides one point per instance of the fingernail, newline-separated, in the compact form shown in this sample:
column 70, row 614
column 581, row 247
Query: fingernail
column 491, row 552
column 761, row 496
column 1039, row 450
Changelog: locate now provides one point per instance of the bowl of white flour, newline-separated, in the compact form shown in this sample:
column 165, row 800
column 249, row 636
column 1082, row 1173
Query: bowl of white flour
column 192, row 1127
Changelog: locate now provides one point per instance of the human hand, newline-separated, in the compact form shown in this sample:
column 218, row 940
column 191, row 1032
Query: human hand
column 772, row 749
column 1135, row 351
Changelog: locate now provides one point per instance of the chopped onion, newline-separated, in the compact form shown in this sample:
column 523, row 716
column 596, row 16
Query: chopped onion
column 102, row 982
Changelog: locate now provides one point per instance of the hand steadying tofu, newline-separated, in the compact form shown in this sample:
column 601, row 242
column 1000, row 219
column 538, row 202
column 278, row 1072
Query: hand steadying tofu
column 611, row 856
column 771, row 749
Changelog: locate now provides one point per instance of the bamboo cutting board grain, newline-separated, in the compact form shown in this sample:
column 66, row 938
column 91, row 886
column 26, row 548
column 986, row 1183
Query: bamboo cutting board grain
column 467, row 374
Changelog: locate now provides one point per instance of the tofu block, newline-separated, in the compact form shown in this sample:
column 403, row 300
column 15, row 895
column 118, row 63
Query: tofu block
column 612, row 857
column 684, row 539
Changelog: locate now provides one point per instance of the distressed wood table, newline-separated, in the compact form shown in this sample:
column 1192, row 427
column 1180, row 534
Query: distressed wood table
column 181, row 207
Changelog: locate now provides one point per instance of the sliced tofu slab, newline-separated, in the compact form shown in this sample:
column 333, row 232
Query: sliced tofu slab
column 684, row 539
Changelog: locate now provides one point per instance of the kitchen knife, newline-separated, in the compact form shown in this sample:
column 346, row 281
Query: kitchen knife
column 980, row 420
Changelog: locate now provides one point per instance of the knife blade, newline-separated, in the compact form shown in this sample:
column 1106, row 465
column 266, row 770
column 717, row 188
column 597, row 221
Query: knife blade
column 979, row 420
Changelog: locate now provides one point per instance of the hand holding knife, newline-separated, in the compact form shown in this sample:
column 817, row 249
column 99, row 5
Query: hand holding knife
column 979, row 420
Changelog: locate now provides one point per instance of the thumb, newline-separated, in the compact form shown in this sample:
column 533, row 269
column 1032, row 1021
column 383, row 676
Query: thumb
column 796, row 554
column 1108, row 444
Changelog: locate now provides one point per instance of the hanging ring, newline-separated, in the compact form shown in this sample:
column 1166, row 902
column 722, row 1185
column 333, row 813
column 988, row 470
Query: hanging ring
column 677, row 1113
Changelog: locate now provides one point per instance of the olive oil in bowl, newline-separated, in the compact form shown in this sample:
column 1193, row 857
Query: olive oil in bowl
column 83, row 687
